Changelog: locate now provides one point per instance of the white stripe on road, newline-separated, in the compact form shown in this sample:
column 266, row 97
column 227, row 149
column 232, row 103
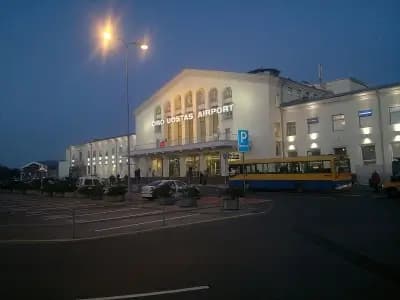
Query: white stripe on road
column 149, row 222
column 196, row 288
column 89, row 214
column 154, row 212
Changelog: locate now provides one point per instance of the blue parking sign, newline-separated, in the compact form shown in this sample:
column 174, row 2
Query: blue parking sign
column 243, row 140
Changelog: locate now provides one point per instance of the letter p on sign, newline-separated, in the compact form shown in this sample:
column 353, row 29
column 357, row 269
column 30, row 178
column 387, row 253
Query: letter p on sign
column 243, row 140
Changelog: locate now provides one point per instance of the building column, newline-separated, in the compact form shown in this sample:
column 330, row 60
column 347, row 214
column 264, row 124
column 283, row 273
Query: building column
column 182, row 166
column 165, row 164
column 224, row 163
column 202, row 163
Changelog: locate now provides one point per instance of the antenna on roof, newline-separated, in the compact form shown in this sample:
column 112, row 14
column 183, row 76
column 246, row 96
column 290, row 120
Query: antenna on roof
column 320, row 73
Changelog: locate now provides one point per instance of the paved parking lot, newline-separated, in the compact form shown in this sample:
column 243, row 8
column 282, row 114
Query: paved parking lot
column 32, row 217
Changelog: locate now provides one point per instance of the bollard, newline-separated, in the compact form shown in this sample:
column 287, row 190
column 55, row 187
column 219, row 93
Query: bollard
column 73, row 223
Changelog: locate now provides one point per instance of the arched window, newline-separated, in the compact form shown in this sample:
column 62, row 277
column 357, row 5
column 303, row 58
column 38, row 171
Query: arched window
column 227, row 99
column 168, row 107
column 213, row 97
column 188, row 101
column 200, row 99
column 157, row 116
column 178, row 103
column 227, row 94
column 157, row 113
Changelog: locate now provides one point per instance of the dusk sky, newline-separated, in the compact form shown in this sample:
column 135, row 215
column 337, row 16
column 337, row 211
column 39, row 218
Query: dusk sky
column 57, row 90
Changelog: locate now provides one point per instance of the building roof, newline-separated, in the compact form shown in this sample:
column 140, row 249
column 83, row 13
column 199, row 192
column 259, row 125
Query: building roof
column 304, row 101
column 257, row 75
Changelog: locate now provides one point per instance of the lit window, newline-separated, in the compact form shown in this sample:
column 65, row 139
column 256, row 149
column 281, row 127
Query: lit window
column 338, row 122
column 365, row 118
column 290, row 128
column 394, row 114
column 368, row 154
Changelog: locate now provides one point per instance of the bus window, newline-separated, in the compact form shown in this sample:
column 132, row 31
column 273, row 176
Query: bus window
column 259, row 168
column 271, row 168
column 234, row 170
column 343, row 166
column 283, row 168
column 326, row 165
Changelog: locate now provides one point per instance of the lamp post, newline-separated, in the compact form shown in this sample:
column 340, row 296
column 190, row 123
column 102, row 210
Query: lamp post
column 107, row 37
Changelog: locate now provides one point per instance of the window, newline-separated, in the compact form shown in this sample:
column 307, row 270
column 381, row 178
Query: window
column 290, row 128
column 340, row 151
column 307, row 94
column 368, row 154
column 278, row 148
column 178, row 103
column 298, row 93
column 227, row 94
column 188, row 101
column 200, row 101
column 338, row 122
column 313, row 125
column 277, row 129
column 396, row 150
column 227, row 99
column 394, row 114
column 88, row 154
column 313, row 152
column 94, row 154
column 227, row 133
column 80, row 155
column 157, row 116
column 365, row 118
column 289, row 91
column 213, row 97
column 167, row 108
column 292, row 153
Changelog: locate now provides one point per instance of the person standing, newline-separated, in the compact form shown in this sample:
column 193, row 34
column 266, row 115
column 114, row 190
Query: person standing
column 201, row 177
column 375, row 180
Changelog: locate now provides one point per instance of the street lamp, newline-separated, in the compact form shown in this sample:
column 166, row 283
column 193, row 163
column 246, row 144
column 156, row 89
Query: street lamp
column 107, row 38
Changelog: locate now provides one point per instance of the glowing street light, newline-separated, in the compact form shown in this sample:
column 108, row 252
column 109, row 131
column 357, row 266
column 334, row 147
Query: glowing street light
column 107, row 37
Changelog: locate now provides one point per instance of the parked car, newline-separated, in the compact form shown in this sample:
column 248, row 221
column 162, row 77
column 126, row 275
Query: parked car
column 87, row 181
column 150, row 190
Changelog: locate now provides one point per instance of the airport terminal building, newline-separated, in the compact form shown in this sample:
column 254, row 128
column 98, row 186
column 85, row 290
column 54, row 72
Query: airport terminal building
column 192, row 122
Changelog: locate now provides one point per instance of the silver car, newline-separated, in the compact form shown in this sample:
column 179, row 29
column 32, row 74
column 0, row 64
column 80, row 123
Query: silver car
column 149, row 191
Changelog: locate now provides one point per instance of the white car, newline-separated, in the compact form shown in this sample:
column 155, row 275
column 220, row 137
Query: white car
column 149, row 191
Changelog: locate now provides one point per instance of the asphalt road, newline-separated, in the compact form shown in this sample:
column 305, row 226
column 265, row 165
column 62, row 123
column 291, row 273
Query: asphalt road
column 325, row 246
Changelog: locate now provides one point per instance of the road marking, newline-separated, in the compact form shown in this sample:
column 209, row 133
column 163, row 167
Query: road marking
column 151, row 213
column 88, row 214
column 148, row 222
column 191, row 289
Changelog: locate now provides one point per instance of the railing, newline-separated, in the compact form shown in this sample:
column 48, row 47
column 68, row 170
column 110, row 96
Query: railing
column 222, row 139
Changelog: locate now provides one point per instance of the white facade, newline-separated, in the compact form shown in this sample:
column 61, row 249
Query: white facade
column 370, row 133
column 207, row 143
column 262, row 102
column 190, row 125
column 100, row 157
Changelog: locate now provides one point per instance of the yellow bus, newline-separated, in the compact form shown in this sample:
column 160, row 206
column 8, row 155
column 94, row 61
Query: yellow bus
column 302, row 173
